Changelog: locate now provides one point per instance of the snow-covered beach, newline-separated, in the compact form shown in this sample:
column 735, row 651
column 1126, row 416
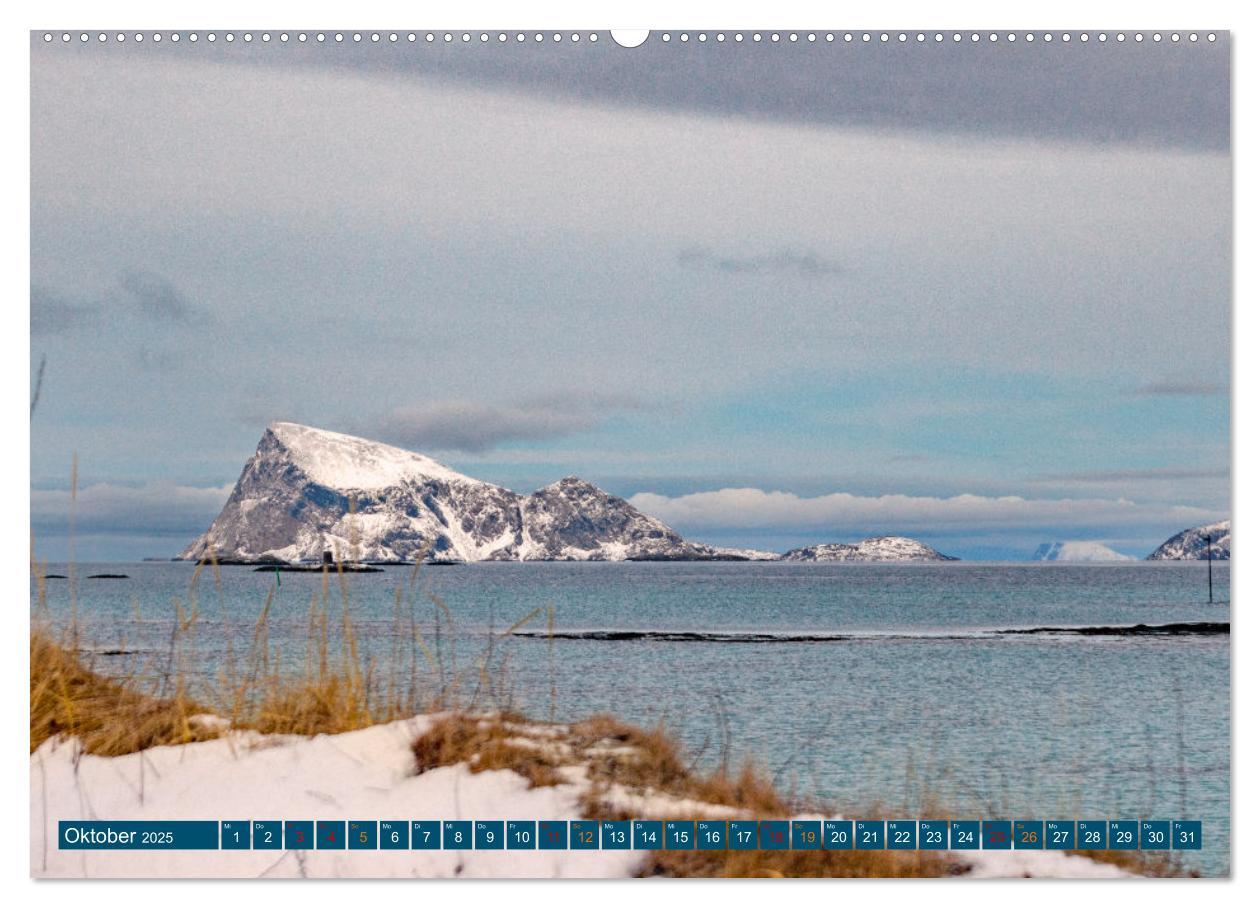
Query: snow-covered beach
column 367, row 774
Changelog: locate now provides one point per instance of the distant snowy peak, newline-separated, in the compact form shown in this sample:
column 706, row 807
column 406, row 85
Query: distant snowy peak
column 738, row 554
column 1192, row 544
column 1078, row 550
column 877, row 548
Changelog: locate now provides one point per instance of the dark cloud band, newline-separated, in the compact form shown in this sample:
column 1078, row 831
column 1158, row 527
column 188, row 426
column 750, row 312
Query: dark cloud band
column 1164, row 93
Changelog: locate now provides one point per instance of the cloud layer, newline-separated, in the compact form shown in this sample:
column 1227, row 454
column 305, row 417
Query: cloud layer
column 473, row 427
column 154, row 507
column 1165, row 93
column 142, row 296
column 1181, row 389
column 758, row 509
column 783, row 262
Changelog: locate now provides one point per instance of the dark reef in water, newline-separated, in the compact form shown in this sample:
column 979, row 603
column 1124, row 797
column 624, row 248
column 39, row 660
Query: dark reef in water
column 687, row 636
column 108, row 577
column 1179, row 629
column 1176, row 629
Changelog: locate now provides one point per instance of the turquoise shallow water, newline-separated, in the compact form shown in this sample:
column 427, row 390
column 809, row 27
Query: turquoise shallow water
column 919, row 697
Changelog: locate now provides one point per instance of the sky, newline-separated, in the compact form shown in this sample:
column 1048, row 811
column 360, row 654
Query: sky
column 772, row 294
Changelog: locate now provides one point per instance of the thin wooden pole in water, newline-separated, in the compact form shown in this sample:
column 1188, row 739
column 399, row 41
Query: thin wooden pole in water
column 1209, row 560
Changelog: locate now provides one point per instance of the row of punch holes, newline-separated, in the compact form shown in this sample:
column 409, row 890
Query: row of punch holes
column 575, row 37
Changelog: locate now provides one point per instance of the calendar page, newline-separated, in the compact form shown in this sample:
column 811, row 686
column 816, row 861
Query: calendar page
column 523, row 453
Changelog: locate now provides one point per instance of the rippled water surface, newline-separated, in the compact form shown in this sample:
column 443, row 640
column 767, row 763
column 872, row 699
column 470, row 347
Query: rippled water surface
column 892, row 687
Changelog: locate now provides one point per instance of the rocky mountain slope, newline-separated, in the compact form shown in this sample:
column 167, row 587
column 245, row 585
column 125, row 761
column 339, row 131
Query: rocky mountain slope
column 309, row 491
column 1191, row 544
column 877, row 548
column 573, row 520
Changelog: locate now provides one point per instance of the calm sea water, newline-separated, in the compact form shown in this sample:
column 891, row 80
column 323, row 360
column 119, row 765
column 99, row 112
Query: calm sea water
column 917, row 701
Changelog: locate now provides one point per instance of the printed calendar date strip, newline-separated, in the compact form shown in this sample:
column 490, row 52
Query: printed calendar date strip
column 640, row 835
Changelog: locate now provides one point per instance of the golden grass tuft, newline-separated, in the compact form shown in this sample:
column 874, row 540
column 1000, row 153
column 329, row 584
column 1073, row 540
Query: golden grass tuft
column 484, row 743
column 329, row 705
column 651, row 759
column 634, row 757
column 108, row 717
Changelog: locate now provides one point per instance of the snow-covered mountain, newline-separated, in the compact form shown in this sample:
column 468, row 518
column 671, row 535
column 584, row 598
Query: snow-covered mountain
column 877, row 548
column 573, row 520
column 308, row 491
column 1078, row 550
column 737, row 554
column 1191, row 544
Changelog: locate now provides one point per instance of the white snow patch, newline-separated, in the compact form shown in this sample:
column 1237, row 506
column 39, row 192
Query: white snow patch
column 346, row 462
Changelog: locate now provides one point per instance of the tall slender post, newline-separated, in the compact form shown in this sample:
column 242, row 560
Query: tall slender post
column 1209, row 559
